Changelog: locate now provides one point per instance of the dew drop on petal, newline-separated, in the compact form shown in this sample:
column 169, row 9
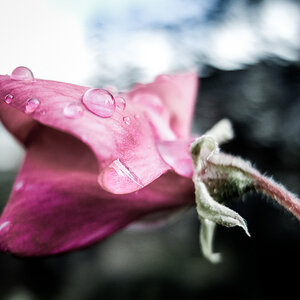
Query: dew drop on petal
column 117, row 178
column 127, row 120
column 100, row 102
column 120, row 103
column 8, row 98
column 176, row 155
column 31, row 105
column 73, row 111
column 148, row 100
column 22, row 73
column 5, row 226
column 84, row 138
column 18, row 185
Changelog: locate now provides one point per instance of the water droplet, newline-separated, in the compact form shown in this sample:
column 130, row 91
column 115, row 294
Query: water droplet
column 73, row 111
column 100, row 102
column 149, row 100
column 84, row 138
column 8, row 98
column 126, row 120
column 5, row 226
column 120, row 102
column 18, row 185
column 31, row 105
column 22, row 73
column 117, row 178
column 176, row 154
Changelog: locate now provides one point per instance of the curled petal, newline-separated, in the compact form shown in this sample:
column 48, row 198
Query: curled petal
column 177, row 94
column 111, row 139
column 56, row 204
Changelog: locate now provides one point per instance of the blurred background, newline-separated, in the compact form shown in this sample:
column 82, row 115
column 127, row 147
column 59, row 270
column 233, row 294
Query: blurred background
column 247, row 55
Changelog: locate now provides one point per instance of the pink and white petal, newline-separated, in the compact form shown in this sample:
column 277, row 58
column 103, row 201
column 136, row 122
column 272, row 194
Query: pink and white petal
column 131, row 142
column 56, row 204
column 177, row 94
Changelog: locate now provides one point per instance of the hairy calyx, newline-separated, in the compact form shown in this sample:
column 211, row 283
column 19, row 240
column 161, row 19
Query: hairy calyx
column 219, row 177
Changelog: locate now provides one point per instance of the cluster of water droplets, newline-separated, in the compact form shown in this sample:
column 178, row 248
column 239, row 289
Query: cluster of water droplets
column 117, row 177
column 101, row 102
column 23, row 74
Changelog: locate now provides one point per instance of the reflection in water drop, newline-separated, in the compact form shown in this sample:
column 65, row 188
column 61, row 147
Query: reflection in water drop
column 119, row 179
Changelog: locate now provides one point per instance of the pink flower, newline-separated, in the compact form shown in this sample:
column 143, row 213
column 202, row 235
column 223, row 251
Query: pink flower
column 97, row 161
column 86, row 176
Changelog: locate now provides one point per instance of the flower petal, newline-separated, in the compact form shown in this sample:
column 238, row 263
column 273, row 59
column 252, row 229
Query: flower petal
column 177, row 94
column 56, row 204
column 122, row 137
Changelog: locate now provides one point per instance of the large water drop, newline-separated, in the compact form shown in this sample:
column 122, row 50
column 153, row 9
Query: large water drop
column 100, row 102
column 117, row 178
column 31, row 105
column 22, row 73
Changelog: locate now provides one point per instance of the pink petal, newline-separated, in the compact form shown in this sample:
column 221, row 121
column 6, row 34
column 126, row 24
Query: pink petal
column 56, row 204
column 177, row 155
column 177, row 94
column 111, row 139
